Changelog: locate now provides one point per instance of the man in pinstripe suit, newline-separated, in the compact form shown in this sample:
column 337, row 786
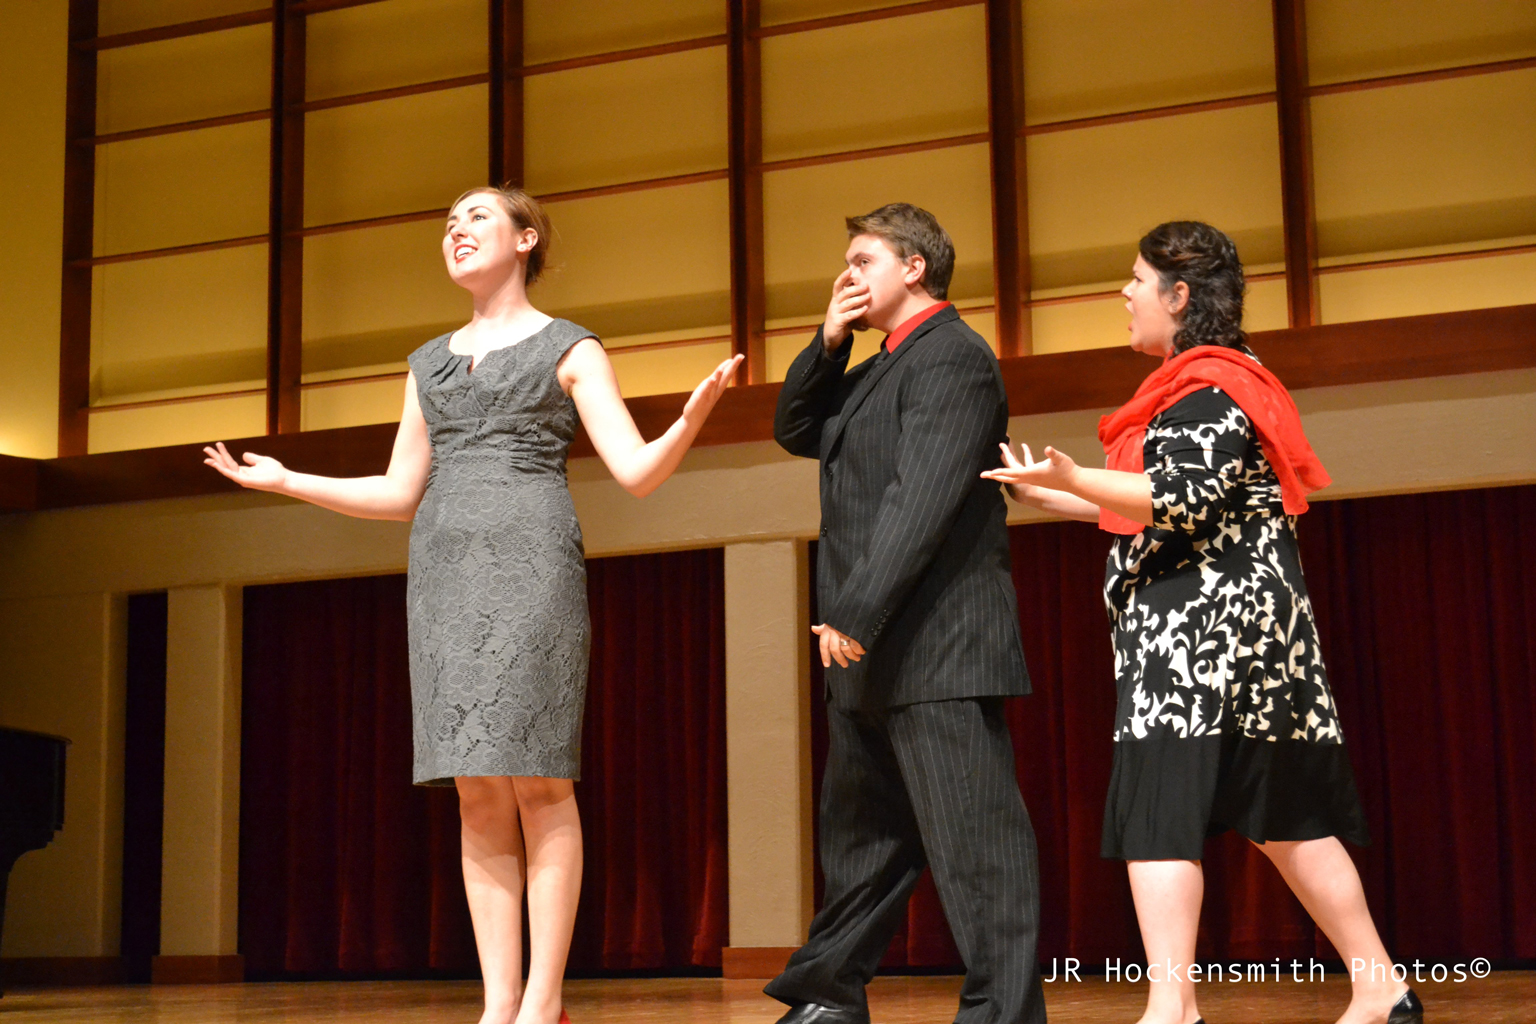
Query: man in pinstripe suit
column 919, row 633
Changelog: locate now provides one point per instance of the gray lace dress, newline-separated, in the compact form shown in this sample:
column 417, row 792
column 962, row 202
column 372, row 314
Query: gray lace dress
column 496, row 592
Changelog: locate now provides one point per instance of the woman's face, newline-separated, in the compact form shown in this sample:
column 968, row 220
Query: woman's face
column 481, row 244
column 1154, row 313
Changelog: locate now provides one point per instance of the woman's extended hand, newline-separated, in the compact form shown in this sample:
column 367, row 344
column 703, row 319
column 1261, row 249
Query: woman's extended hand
column 709, row 391
column 1055, row 471
column 261, row 473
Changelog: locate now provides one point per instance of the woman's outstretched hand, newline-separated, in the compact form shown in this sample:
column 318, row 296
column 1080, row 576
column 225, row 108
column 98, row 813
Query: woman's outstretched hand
column 1055, row 471
column 259, row 474
column 709, row 391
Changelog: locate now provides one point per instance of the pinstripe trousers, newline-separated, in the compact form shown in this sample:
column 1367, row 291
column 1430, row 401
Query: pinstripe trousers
column 930, row 783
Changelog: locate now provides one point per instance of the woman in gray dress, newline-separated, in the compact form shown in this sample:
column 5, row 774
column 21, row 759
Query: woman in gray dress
column 497, row 605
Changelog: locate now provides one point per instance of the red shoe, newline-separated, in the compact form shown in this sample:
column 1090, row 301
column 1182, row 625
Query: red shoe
column 565, row 1018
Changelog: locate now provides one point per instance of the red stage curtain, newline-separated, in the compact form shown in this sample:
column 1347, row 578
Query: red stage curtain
column 346, row 869
column 1428, row 621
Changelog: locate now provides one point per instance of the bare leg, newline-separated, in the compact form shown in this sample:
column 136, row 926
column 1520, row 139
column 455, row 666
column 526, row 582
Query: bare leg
column 1323, row 877
column 1168, row 895
column 552, row 831
column 492, row 852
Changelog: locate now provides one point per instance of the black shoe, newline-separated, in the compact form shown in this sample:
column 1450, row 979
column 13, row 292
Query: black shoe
column 815, row 1013
column 1407, row 1009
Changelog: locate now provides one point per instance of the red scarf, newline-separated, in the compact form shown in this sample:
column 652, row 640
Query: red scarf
column 1257, row 392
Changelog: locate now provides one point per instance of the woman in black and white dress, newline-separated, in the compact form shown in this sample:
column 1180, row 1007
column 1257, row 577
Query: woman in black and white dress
column 1225, row 719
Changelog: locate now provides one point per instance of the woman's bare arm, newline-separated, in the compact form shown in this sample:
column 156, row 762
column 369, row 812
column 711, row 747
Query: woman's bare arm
column 394, row 495
column 640, row 468
column 1080, row 488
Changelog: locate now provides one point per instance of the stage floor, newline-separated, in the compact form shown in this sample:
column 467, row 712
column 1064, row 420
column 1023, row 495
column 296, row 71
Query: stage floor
column 1505, row 997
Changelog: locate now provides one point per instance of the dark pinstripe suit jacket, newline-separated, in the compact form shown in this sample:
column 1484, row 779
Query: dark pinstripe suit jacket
column 913, row 561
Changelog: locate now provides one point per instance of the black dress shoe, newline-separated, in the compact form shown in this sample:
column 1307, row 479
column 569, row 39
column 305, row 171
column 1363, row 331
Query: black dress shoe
column 815, row 1013
column 1407, row 1009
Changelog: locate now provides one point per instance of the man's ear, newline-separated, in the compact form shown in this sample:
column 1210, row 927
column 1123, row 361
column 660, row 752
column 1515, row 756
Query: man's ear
column 917, row 269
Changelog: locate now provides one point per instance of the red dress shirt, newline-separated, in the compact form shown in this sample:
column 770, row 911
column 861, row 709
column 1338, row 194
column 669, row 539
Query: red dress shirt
column 911, row 324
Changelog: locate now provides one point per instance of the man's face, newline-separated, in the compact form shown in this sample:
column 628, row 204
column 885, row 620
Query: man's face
column 875, row 265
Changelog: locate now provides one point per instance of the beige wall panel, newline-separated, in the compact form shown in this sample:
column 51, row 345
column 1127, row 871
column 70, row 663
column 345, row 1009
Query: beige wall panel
column 179, row 322
column 394, row 156
column 1428, row 288
column 835, row 89
column 34, row 42
column 212, row 419
column 1093, row 193
column 777, row 12
column 626, row 121
column 1265, row 307
column 1104, row 322
column 373, row 296
column 1087, row 323
column 1439, row 162
column 399, row 42
column 803, row 211
column 351, row 405
column 145, row 85
column 667, row 371
column 768, row 743
column 781, row 349
column 560, row 29
column 182, row 189
column 1083, row 58
column 1350, row 39
column 61, row 672
column 640, row 262
column 200, row 848
column 132, row 15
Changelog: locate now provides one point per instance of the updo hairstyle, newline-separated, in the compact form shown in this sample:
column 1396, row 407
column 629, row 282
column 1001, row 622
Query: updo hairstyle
column 1206, row 260
column 526, row 212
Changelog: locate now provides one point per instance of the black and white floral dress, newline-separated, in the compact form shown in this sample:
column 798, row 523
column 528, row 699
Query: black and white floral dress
column 1225, row 719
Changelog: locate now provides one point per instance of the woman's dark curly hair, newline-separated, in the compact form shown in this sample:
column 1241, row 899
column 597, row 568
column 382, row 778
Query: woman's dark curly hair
column 1205, row 260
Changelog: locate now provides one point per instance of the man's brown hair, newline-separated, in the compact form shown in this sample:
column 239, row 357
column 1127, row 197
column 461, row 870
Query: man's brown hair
column 912, row 231
column 526, row 212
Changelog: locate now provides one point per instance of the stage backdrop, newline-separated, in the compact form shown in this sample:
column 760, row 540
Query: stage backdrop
column 346, row 869
column 1428, row 620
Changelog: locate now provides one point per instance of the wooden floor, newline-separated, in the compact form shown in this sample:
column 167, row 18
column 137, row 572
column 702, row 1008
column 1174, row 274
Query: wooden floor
column 1505, row 997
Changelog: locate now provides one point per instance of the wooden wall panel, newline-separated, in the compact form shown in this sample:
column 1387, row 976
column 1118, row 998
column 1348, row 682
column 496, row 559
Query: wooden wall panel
column 1359, row 353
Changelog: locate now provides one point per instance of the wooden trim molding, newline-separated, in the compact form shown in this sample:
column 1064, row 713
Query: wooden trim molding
column 506, row 99
column 857, row 17
column 749, row 304
column 18, row 483
column 62, row 971
column 1403, row 348
column 1010, row 194
column 285, row 252
column 618, row 56
column 240, row 19
column 197, row 970
column 1296, row 194
column 754, row 962
column 79, row 233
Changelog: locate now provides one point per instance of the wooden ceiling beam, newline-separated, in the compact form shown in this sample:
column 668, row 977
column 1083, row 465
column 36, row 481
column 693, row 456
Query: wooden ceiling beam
column 79, row 233
column 1010, row 193
column 1296, row 194
column 749, row 307
column 285, row 251
column 506, row 109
